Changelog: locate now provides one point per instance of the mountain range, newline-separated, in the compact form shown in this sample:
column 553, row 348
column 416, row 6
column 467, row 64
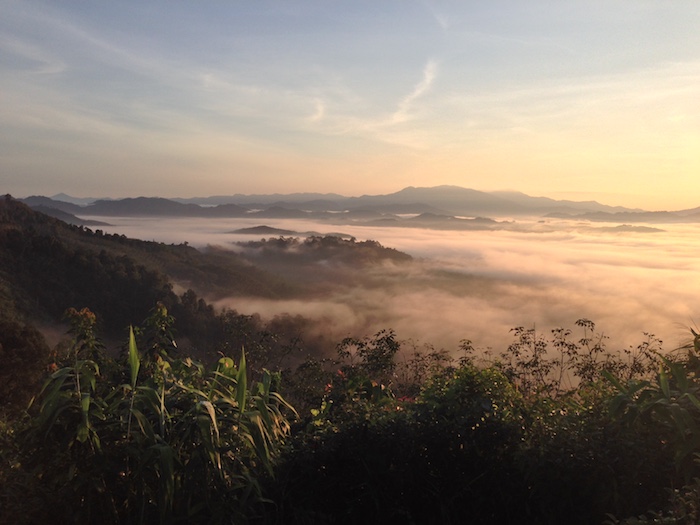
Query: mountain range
column 449, row 202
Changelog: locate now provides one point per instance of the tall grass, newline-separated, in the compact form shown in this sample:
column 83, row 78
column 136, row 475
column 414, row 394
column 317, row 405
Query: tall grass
column 153, row 438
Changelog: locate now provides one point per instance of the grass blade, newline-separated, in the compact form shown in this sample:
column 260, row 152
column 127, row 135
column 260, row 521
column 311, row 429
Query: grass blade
column 134, row 360
column 242, row 386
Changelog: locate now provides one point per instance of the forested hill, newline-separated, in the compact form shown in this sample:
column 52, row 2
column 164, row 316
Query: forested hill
column 47, row 266
column 329, row 249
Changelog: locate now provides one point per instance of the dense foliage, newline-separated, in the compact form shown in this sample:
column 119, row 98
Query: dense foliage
column 496, row 439
column 47, row 266
column 146, row 438
column 532, row 435
column 329, row 248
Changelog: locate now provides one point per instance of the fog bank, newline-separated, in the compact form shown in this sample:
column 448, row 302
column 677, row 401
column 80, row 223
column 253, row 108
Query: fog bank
column 479, row 284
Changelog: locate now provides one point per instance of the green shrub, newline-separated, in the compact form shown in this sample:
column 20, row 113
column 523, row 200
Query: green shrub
column 148, row 439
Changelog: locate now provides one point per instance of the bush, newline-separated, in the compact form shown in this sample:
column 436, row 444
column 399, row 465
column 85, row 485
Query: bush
column 148, row 438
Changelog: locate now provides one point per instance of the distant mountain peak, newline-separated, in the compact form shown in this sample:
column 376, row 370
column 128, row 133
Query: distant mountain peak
column 447, row 199
column 80, row 201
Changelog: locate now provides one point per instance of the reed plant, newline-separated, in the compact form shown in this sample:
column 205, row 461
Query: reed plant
column 149, row 438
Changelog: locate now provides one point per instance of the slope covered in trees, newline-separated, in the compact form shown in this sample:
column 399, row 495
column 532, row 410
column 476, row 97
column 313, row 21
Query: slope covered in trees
column 48, row 266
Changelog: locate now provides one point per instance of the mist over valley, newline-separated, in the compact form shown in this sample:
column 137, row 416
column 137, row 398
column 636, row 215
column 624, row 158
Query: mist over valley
column 469, row 277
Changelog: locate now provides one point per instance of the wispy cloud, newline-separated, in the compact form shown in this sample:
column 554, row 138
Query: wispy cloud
column 440, row 18
column 320, row 111
column 406, row 105
column 376, row 123
column 78, row 42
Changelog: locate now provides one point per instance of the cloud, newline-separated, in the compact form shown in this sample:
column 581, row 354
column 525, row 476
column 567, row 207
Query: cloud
column 439, row 17
column 406, row 105
column 320, row 111
column 78, row 42
column 373, row 122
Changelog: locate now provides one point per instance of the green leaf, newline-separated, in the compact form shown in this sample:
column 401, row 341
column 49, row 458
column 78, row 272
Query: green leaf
column 226, row 367
column 212, row 416
column 242, row 380
column 85, row 403
column 260, row 441
column 206, row 427
column 166, row 466
column 134, row 361
column 84, row 425
column 614, row 380
column 87, row 372
column 144, row 424
column 264, row 413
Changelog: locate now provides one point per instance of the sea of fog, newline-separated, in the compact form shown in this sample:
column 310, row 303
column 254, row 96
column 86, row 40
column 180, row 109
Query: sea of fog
column 478, row 285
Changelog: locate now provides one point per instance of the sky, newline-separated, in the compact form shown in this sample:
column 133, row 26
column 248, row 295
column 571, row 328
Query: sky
column 578, row 100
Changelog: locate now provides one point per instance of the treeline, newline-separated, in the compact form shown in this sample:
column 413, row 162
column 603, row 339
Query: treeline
column 42, row 258
column 329, row 248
